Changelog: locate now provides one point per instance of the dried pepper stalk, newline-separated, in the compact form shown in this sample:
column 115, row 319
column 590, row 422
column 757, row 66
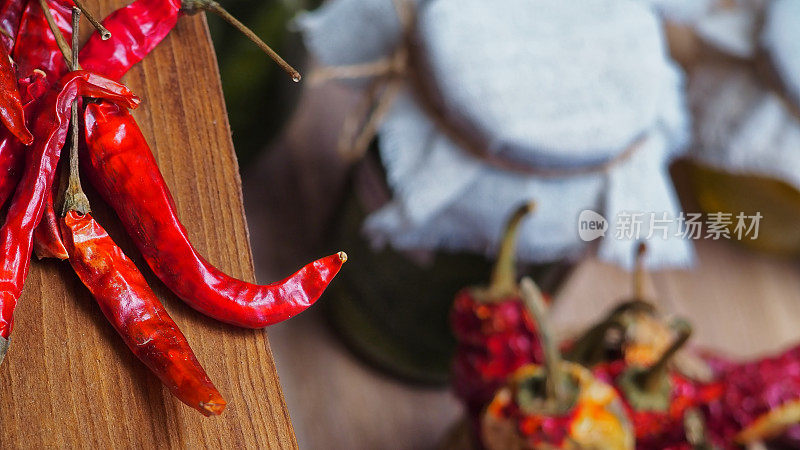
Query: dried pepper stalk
column 135, row 312
column 119, row 164
column 633, row 332
column 560, row 405
column 50, row 129
column 495, row 333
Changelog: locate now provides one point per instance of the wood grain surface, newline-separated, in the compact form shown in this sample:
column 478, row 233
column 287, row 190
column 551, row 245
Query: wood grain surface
column 68, row 379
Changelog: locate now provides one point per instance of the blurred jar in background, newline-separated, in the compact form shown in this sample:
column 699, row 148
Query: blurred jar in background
column 745, row 96
column 438, row 119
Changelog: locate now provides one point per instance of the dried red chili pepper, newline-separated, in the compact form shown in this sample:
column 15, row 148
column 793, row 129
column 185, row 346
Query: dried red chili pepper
column 136, row 30
column 560, row 405
column 38, row 58
column 35, row 47
column 120, row 165
column 135, row 312
column 10, row 16
column 50, row 129
column 11, row 113
column 495, row 334
column 760, row 402
column 12, row 152
column 657, row 397
column 47, row 242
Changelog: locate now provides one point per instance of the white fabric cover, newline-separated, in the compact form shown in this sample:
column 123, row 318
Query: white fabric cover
column 781, row 38
column 548, row 82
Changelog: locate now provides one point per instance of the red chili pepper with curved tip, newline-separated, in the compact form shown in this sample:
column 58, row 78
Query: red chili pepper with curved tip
column 119, row 164
column 25, row 212
column 47, row 242
column 135, row 29
column 135, row 312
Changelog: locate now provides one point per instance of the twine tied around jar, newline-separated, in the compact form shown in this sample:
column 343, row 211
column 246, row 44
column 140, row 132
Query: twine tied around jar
column 404, row 65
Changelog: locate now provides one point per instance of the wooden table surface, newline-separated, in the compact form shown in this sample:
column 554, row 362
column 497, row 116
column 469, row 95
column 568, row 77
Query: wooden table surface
column 68, row 379
column 742, row 303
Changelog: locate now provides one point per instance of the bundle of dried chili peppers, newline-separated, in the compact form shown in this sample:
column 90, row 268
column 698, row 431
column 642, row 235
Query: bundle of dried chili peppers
column 671, row 398
column 43, row 89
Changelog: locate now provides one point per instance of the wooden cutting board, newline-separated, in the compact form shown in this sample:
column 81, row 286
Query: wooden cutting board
column 68, row 379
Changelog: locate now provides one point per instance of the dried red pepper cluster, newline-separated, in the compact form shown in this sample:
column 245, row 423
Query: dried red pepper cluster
column 42, row 92
column 696, row 401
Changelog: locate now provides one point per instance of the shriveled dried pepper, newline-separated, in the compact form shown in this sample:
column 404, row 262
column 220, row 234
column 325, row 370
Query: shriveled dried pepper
column 135, row 312
column 635, row 349
column 495, row 334
column 11, row 102
column 12, row 151
column 38, row 58
column 760, row 402
column 119, row 164
column 11, row 113
column 47, row 242
column 560, row 405
column 50, row 129
column 658, row 397
column 10, row 17
column 36, row 47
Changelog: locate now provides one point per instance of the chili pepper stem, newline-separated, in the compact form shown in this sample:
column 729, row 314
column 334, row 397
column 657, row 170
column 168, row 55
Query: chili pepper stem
column 695, row 427
column 534, row 301
column 193, row 6
column 650, row 378
column 649, row 389
column 639, row 272
column 503, row 282
column 60, row 40
column 104, row 33
column 74, row 197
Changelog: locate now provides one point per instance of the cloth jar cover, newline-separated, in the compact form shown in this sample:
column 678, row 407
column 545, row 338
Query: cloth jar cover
column 548, row 83
column 743, row 125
